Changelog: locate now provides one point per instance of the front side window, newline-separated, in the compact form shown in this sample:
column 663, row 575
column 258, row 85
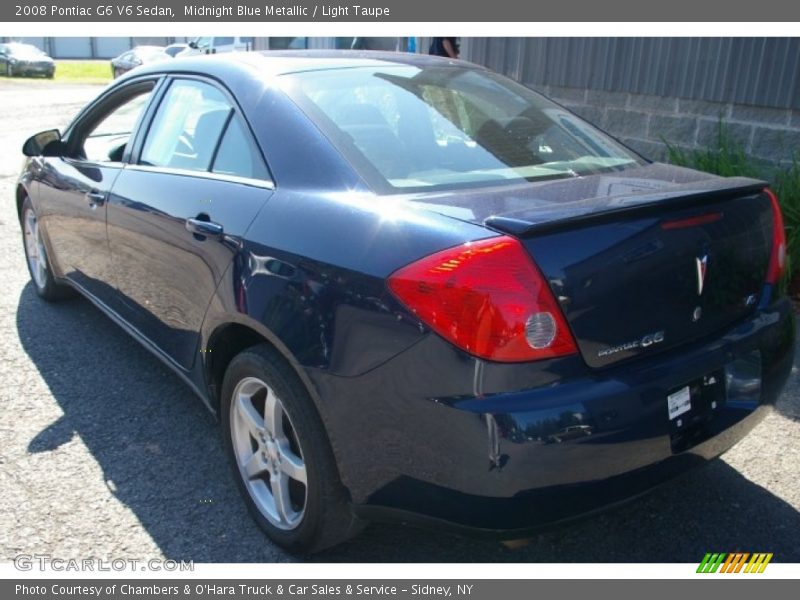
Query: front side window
column 407, row 129
column 106, row 139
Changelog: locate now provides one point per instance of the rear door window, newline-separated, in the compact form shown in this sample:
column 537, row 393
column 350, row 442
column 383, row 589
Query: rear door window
column 187, row 127
column 197, row 128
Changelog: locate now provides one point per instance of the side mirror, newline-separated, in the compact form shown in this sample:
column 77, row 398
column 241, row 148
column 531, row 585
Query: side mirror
column 44, row 143
column 193, row 44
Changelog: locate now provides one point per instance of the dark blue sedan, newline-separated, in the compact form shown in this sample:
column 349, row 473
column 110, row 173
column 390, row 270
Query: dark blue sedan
column 413, row 289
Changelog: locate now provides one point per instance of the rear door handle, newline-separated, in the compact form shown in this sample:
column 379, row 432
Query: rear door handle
column 96, row 198
column 203, row 227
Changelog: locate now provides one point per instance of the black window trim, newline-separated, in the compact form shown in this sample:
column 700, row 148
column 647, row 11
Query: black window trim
column 144, row 128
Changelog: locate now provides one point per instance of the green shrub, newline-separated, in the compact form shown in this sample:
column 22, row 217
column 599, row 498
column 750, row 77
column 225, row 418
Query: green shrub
column 726, row 157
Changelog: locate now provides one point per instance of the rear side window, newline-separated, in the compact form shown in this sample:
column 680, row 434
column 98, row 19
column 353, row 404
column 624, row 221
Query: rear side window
column 196, row 128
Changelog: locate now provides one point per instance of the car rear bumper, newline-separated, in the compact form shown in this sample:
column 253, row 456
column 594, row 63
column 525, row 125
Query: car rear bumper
column 580, row 441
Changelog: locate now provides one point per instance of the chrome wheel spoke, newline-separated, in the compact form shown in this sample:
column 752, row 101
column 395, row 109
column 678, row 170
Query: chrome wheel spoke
column 291, row 464
column 283, row 502
column 249, row 416
column 273, row 415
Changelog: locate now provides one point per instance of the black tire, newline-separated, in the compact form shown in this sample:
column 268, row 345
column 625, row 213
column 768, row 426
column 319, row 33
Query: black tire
column 328, row 519
column 48, row 287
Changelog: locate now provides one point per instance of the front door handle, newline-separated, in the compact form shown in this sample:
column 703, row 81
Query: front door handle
column 202, row 226
column 95, row 198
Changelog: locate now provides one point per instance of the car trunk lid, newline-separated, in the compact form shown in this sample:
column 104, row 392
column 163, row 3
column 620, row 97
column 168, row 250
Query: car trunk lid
column 649, row 264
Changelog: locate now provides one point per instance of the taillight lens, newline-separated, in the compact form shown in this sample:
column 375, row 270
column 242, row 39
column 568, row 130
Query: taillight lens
column 488, row 298
column 777, row 260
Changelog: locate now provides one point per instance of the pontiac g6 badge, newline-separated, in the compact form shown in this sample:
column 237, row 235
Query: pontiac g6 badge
column 702, row 265
column 644, row 342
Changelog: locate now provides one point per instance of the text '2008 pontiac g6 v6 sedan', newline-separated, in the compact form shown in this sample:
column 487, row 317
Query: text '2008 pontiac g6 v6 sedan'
column 411, row 288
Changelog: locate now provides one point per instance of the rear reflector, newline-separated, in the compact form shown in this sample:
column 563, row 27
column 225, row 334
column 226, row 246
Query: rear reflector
column 777, row 260
column 488, row 298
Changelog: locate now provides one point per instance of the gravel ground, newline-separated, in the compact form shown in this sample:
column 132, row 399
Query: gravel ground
column 103, row 452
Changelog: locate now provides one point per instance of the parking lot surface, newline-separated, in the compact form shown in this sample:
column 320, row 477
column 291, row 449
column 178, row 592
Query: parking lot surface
column 105, row 453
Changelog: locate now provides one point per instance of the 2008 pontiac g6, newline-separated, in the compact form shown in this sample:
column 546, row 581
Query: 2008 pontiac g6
column 411, row 288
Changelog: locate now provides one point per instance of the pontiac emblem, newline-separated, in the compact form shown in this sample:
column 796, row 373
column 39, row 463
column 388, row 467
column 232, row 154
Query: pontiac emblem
column 702, row 265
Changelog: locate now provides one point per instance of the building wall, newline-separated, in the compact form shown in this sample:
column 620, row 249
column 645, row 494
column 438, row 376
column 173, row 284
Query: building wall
column 647, row 90
column 645, row 122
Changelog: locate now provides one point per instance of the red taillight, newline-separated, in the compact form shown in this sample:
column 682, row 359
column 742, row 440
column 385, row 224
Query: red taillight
column 777, row 260
column 488, row 298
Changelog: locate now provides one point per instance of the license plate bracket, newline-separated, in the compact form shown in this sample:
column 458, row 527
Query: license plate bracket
column 696, row 402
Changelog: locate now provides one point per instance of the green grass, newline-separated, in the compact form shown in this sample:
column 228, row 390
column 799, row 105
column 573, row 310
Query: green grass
column 73, row 71
column 83, row 71
column 727, row 157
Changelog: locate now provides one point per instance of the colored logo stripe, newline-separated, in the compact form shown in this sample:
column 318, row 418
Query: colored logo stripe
column 734, row 562
column 710, row 563
column 758, row 563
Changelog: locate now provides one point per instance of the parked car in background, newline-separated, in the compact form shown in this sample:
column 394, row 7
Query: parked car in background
column 174, row 49
column 140, row 55
column 218, row 45
column 466, row 307
column 25, row 59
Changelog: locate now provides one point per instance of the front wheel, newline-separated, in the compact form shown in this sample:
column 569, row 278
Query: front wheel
column 280, row 455
column 44, row 283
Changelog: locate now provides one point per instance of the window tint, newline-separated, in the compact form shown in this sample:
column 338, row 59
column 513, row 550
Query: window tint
column 237, row 154
column 187, row 126
column 106, row 140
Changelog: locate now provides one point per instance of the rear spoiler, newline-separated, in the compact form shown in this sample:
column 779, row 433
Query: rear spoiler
column 608, row 208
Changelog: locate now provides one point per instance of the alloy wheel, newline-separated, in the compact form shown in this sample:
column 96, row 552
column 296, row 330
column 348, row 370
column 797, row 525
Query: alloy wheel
column 34, row 249
column 268, row 453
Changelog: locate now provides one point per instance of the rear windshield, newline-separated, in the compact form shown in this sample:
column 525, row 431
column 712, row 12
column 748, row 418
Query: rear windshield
column 409, row 129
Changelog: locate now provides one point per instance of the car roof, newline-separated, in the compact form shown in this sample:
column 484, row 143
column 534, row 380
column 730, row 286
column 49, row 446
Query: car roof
column 272, row 63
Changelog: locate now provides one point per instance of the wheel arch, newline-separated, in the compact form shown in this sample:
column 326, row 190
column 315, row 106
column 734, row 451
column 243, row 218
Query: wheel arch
column 227, row 339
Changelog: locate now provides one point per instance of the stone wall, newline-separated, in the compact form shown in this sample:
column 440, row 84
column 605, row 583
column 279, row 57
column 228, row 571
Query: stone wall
column 643, row 122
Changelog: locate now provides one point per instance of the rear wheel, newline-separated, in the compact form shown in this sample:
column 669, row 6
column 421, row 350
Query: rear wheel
column 44, row 283
column 280, row 455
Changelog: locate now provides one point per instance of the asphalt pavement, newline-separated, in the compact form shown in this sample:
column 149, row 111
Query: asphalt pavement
column 105, row 453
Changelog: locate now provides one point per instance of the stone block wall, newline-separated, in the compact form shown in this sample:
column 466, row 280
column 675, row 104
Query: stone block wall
column 643, row 122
